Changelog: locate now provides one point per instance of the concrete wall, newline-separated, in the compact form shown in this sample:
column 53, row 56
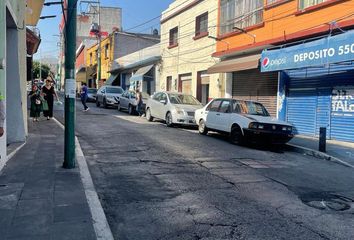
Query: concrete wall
column 125, row 43
column 110, row 18
column 191, row 55
column 139, row 55
column 16, row 81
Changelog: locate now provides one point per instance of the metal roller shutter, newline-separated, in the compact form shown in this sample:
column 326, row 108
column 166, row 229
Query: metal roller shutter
column 257, row 86
column 333, row 95
column 301, row 111
column 342, row 117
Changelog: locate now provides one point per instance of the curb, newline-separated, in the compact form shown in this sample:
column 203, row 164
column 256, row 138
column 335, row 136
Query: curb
column 318, row 154
column 11, row 155
column 99, row 219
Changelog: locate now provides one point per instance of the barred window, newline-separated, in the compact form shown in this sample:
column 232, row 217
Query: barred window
column 240, row 14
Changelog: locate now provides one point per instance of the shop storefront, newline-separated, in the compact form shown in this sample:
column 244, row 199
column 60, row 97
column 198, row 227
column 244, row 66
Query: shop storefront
column 248, row 82
column 316, row 87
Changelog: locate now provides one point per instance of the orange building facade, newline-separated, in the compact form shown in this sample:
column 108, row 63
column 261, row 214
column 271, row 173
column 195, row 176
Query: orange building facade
column 306, row 97
column 281, row 21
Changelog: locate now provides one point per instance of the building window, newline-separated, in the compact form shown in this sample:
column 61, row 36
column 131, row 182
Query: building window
column 201, row 24
column 106, row 51
column 240, row 14
column 308, row 3
column 169, row 83
column 90, row 58
column 96, row 52
column 174, row 37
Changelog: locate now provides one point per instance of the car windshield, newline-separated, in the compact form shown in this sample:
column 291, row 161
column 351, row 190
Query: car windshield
column 251, row 108
column 114, row 90
column 183, row 99
column 92, row 90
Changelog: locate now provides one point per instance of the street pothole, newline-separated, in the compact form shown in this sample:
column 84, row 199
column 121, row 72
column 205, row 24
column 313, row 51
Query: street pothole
column 327, row 201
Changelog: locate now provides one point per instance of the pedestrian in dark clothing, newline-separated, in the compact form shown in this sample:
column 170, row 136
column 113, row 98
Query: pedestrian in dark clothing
column 36, row 103
column 139, row 102
column 84, row 96
column 49, row 92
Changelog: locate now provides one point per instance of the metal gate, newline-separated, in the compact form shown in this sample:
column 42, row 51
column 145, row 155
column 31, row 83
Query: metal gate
column 257, row 86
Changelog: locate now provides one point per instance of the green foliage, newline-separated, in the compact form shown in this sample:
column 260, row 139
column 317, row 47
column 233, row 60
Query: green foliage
column 45, row 70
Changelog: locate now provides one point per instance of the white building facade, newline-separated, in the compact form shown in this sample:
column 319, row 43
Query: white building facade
column 188, row 40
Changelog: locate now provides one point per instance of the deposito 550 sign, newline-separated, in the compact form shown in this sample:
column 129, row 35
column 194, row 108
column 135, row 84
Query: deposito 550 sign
column 332, row 49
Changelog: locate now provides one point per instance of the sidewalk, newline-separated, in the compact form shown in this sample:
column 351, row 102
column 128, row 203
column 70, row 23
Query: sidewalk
column 343, row 151
column 38, row 198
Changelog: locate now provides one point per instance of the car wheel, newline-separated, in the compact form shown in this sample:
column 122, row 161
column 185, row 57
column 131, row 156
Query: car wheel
column 148, row 115
column 130, row 110
column 118, row 107
column 104, row 103
column 236, row 136
column 98, row 103
column 169, row 122
column 202, row 128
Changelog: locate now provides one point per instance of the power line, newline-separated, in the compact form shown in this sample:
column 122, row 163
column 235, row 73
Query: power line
column 154, row 18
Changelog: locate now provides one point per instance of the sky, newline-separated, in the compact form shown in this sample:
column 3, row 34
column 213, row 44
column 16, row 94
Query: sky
column 134, row 12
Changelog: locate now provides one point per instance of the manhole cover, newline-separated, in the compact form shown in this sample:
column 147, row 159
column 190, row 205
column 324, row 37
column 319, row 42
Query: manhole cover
column 327, row 201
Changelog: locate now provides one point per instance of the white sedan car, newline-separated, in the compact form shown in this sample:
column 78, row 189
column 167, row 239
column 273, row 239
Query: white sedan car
column 242, row 120
column 174, row 108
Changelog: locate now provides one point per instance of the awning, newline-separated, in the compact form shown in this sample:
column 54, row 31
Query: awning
column 111, row 79
column 139, row 75
column 234, row 65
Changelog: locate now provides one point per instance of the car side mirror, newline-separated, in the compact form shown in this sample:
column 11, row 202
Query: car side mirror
column 163, row 101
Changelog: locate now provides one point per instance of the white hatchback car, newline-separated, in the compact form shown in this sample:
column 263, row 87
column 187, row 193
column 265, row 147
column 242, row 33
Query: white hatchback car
column 242, row 120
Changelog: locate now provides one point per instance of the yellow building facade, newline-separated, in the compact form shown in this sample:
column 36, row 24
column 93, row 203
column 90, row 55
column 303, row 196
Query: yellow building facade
column 188, row 31
column 107, row 57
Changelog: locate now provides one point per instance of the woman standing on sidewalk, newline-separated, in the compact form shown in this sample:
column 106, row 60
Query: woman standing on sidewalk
column 49, row 92
column 36, row 103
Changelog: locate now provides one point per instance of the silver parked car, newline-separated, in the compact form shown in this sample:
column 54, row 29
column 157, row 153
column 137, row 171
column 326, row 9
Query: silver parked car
column 128, row 101
column 108, row 96
column 174, row 108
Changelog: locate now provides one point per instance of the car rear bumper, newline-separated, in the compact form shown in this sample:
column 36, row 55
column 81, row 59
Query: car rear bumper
column 263, row 136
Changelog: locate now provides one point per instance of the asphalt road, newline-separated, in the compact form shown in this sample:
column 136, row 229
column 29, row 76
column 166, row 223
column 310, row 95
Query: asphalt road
column 156, row 182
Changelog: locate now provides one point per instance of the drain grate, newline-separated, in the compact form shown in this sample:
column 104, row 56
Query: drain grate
column 327, row 201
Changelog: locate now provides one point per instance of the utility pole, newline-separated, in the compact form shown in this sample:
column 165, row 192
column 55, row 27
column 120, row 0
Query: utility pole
column 70, row 85
column 99, row 45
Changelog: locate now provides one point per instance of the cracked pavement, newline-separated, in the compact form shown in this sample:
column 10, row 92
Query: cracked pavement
column 160, row 183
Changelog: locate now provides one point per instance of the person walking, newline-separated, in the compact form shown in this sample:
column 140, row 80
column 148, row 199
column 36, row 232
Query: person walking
column 84, row 96
column 139, row 102
column 49, row 92
column 36, row 103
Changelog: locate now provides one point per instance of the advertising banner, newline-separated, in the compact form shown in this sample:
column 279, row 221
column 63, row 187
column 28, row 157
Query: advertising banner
column 332, row 49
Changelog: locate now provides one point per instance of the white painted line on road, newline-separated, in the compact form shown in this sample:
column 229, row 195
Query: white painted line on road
column 13, row 153
column 134, row 119
column 59, row 123
column 100, row 223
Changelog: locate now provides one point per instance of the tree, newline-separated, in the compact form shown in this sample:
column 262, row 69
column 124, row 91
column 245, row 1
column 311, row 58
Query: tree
column 45, row 70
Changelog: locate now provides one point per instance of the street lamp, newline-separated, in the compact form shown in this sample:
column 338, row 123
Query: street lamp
column 49, row 16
